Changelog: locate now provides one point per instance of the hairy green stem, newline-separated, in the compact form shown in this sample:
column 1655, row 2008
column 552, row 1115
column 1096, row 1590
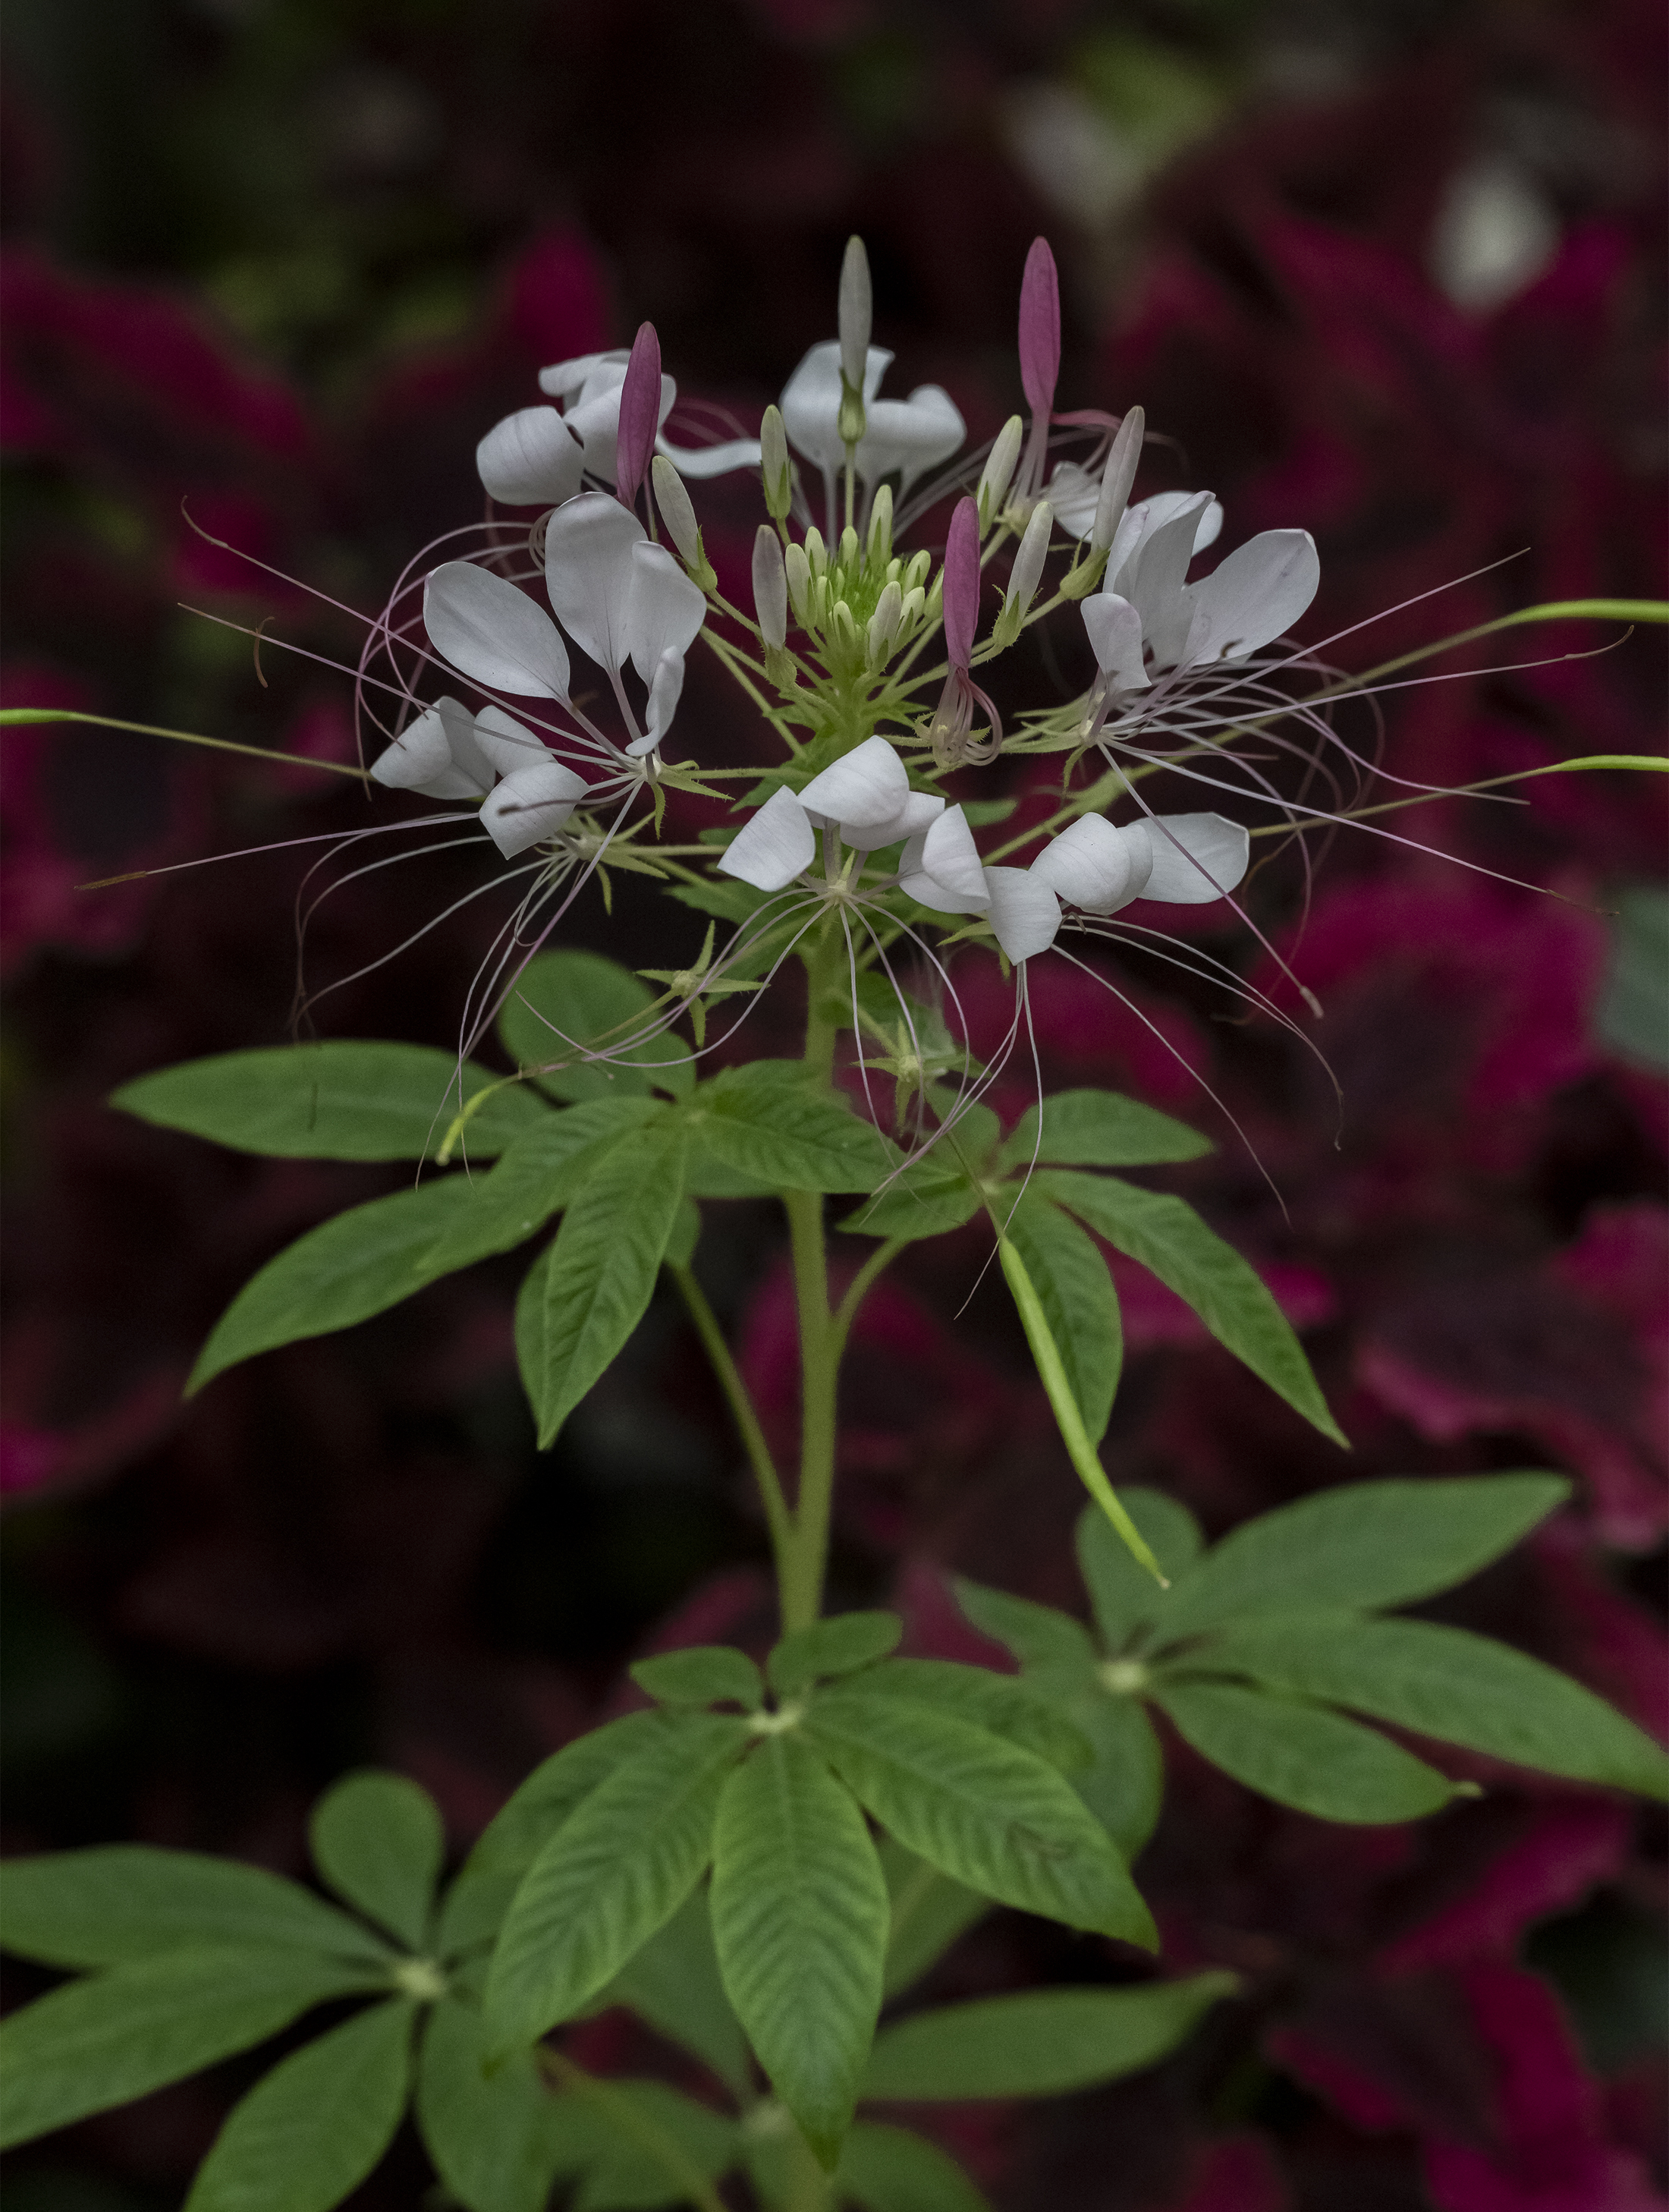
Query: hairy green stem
column 742, row 1411
column 801, row 1584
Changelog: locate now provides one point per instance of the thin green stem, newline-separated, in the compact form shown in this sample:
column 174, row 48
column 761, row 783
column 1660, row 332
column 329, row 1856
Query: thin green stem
column 801, row 1584
column 810, row 2189
column 630, row 2119
column 11, row 716
column 1627, row 762
column 858, row 1289
column 742, row 1412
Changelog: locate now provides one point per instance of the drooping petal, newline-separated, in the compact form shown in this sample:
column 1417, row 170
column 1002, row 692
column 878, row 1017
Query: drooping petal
column 423, row 757
column 774, row 845
column 711, row 460
column 1256, row 594
column 665, row 689
column 663, row 609
column 531, row 459
column 493, row 633
column 564, row 378
column 1115, row 633
column 962, row 583
column 1040, row 328
column 811, row 401
column 1023, row 912
column 869, row 784
column 941, row 869
column 531, row 805
column 507, row 745
column 640, row 400
column 912, row 820
column 589, row 544
column 1094, row 866
column 1197, row 858
column 909, row 435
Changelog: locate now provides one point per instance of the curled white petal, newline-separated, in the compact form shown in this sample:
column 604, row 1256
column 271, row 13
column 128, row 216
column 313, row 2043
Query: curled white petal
column 941, row 868
column 1153, row 582
column 436, row 755
column 493, row 633
column 564, row 378
column 508, row 744
column 663, row 610
column 1095, row 865
column 1140, row 521
column 1257, row 593
column 1073, row 493
column 912, row 819
column 773, row 846
column 866, row 785
column 811, row 401
column 1116, row 633
column 665, row 689
column 1196, row 857
column 531, row 459
column 533, row 804
column 589, row 544
column 909, row 435
column 1023, row 912
column 711, row 460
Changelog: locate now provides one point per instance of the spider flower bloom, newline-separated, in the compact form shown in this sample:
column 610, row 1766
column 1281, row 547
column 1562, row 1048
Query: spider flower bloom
column 449, row 753
column 864, row 798
column 949, row 732
column 1185, row 859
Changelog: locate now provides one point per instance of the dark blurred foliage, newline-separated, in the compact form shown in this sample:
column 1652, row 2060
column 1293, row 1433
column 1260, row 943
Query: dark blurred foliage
column 1387, row 271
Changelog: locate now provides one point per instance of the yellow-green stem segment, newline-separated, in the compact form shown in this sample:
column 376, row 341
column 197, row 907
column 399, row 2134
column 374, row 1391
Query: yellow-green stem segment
column 1051, row 1370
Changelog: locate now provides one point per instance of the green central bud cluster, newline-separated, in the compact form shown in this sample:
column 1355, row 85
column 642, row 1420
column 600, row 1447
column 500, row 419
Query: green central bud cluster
column 858, row 601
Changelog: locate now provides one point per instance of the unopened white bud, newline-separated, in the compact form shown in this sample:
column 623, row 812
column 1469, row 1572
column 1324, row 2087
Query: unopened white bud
column 816, row 552
column 878, row 551
column 672, row 500
column 852, row 553
column 1117, row 477
column 856, row 314
column 915, row 603
column 883, row 628
column 770, row 585
column 1024, row 577
column 798, row 570
column 773, row 464
column 998, row 472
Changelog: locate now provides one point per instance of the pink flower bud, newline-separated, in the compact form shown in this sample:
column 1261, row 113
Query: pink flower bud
column 962, row 583
column 1040, row 328
column 640, row 413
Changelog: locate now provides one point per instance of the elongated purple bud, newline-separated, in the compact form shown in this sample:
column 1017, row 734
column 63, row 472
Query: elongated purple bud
column 1040, row 328
column 962, row 583
column 640, row 414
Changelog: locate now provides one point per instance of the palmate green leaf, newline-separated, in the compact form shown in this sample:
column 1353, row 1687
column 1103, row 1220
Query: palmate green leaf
column 480, row 1894
column 1041, row 1639
column 1042, row 2043
column 928, row 1200
column 1124, row 1785
column 309, row 2132
column 112, row 2037
column 492, row 2132
column 378, row 1840
column 1303, row 1755
column 1002, row 1703
column 839, row 1645
column 1099, row 1129
column 765, row 1123
column 1365, row 1544
column 674, row 1983
column 686, row 1234
column 800, row 1915
column 563, row 1002
column 1123, row 1596
column 929, row 1911
column 1169, row 1239
column 593, row 1287
column 1451, row 1684
column 538, row 1176
column 618, row 1869
column 703, row 1675
column 359, row 1264
column 995, row 1817
column 115, row 1904
column 1079, row 1303
column 638, row 2145
column 344, row 1101
column 891, row 2169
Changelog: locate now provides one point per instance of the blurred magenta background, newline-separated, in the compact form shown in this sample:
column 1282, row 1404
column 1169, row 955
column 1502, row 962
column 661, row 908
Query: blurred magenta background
column 1386, row 270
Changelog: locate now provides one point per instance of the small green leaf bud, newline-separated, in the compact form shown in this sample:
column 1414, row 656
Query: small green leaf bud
column 917, row 571
column 779, row 668
column 883, row 628
column 1082, row 579
column 841, row 627
column 1117, row 477
column 1024, row 575
column 773, row 464
column 672, row 500
column 999, row 471
column 798, row 569
column 879, row 548
column 852, row 553
column 770, row 586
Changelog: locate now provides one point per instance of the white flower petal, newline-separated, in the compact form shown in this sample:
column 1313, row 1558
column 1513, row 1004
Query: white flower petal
column 493, row 633
column 594, row 416
column 914, row 819
column 589, row 544
column 711, row 460
column 1141, row 520
column 811, row 401
column 533, row 804
column 1115, row 632
column 564, row 378
column 1153, row 582
column 943, row 870
column 1073, row 494
column 663, row 610
column 1094, row 866
column 911, row 435
column 1255, row 595
column 774, row 845
column 531, row 459
column 665, row 693
column 1197, row 858
column 1023, row 912
column 866, row 785
column 508, row 744
column 425, row 756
